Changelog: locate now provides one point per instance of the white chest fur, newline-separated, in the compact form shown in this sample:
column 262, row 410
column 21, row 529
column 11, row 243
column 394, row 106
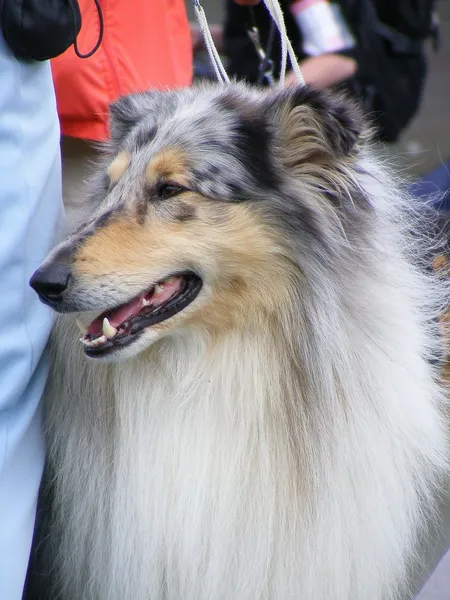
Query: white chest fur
column 201, row 474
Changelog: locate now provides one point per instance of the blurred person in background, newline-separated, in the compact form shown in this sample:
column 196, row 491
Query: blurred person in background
column 30, row 208
column 30, row 215
column 373, row 49
column 319, row 34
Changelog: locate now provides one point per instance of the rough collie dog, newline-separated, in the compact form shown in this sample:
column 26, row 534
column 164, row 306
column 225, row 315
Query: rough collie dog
column 251, row 412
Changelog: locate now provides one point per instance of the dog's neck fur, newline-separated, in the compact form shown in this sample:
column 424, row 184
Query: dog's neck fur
column 212, row 464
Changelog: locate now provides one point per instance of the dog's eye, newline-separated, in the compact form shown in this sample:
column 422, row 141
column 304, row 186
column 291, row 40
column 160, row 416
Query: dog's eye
column 168, row 190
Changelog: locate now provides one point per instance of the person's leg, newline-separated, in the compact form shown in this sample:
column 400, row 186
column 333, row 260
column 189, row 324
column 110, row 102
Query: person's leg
column 30, row 209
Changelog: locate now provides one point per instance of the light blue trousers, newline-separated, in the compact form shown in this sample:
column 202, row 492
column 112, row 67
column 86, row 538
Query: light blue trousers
column 30, row 212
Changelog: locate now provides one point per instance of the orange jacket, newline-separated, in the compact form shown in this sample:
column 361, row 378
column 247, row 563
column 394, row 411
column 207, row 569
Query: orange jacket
column 146, row 44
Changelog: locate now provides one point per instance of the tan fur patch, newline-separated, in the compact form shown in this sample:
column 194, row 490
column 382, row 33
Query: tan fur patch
column 243, row 262
column 169, row 163
column 303, row 138
column 118, row 166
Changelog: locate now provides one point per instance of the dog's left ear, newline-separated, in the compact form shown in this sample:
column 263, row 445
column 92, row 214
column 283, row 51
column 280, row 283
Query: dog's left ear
column 126, row 112
column 313, row 123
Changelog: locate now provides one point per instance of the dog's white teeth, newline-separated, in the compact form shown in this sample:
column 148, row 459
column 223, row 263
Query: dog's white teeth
column 108, row 329
column 158, row 289
column 99, row 341
column 95, row 342
column 81, row 327
column 145, row 302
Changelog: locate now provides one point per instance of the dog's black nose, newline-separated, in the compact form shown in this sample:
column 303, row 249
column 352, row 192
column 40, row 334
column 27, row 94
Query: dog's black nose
column 50, row 281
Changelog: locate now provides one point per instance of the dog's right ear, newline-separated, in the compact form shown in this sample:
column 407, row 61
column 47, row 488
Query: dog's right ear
column 314, row 125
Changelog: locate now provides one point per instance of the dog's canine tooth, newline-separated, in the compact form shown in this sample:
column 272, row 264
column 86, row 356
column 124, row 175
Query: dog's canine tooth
column 158, row 288
column 145, row 302
column 108, row 329
column 81, row 326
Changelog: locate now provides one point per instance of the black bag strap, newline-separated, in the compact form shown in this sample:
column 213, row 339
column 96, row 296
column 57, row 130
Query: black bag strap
column 101, row 26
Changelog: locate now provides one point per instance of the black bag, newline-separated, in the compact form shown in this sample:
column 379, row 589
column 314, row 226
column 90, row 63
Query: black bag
column 39, row 29
column 43, row 29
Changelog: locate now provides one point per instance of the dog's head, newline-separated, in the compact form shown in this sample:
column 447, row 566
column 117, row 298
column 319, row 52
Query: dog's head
column 206, row 200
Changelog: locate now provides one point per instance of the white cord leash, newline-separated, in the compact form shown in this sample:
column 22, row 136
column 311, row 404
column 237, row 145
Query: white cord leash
column 221, row 74
column 273, row 6
column 274, row 9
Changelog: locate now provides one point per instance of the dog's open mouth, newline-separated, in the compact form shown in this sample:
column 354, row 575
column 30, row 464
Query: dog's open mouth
column 120, row 326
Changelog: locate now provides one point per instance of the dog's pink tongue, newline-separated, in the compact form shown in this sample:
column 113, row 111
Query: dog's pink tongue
column 122, row 313
column 157, row 296
column 116, row 316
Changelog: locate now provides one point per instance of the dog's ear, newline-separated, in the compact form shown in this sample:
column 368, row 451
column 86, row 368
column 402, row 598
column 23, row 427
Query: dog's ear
column 128, row 111
column 314, row 124
column 124, row 114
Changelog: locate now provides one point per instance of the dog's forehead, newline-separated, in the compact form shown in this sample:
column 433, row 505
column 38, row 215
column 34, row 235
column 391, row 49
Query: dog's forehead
column 188, row 125
column 218, row 145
